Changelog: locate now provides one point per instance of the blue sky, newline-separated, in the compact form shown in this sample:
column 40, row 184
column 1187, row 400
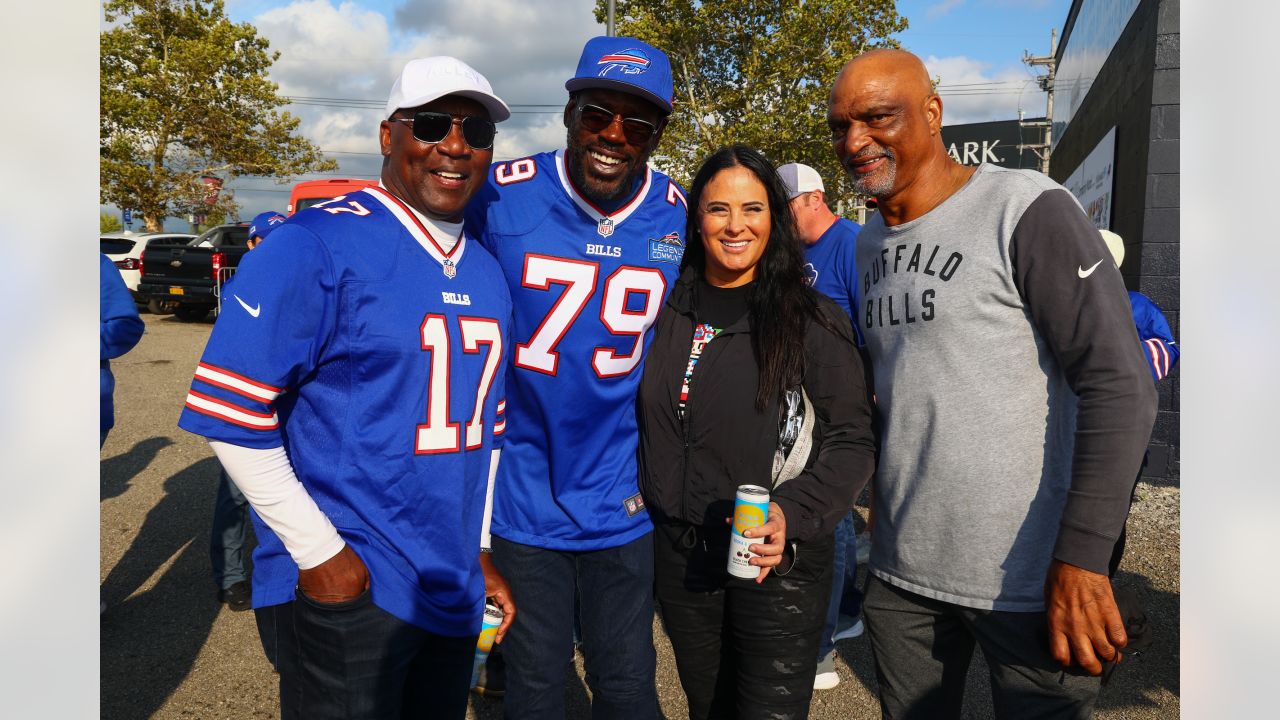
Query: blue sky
column 351, row 51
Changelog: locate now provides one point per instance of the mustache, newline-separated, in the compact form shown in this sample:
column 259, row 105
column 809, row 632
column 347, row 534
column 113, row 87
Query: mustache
column 868, row 153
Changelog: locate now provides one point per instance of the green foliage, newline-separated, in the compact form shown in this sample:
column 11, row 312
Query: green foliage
column 756, row 72
column 109, row 222
column 184, row 93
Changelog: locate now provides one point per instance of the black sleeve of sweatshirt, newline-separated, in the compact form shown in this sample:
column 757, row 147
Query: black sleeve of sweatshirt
column 1079, row 305
column 815, row 501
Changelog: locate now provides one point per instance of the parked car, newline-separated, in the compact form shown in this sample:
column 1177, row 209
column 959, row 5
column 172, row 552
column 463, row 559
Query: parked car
column 189, row 277
column 313, row 192
column 125, row 250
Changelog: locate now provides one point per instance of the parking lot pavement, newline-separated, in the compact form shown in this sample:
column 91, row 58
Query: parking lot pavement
column 170, row 650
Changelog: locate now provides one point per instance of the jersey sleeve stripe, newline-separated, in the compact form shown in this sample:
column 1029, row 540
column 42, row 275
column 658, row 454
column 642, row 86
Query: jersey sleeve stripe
column 500, row 426
column 215, row 408
column 502, row 406
column 236, row 383
column 1158, row 356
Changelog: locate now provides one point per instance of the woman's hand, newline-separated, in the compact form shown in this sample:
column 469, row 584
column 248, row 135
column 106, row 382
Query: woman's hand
column 774, row 532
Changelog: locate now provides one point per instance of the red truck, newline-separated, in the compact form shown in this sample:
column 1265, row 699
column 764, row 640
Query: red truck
column 313, row 192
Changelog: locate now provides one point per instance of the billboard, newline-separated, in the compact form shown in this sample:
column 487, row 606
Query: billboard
column 1093, row 180
column 993, row 142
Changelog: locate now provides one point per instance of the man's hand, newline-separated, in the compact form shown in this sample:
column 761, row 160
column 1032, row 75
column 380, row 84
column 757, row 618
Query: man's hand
column 774, row 532
column 498, row 591
column 1084, row 623
column 339, row 579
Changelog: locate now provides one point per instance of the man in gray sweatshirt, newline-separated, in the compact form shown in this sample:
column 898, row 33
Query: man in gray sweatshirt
column 1015, row 412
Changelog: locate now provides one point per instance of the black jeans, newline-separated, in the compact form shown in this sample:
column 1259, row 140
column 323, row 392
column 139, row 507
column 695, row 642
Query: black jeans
column 615, row 587
column 923, row 648
column 743, row 649
column 355, row 660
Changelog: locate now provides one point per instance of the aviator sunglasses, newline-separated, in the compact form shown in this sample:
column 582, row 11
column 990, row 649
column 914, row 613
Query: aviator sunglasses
column 595, row 119
column 434, row 127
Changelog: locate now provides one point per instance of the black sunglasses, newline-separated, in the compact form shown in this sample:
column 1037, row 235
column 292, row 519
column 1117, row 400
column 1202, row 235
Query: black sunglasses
column 434, row 127
column 596, row 119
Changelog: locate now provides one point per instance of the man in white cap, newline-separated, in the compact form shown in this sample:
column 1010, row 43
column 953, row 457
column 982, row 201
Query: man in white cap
column 354, row 395
column 831, row 268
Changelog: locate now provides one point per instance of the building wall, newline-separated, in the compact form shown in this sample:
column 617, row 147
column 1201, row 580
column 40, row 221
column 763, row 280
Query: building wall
column 1137, row 92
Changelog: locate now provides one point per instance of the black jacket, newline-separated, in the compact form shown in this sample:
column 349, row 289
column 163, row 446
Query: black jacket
column 691, row 469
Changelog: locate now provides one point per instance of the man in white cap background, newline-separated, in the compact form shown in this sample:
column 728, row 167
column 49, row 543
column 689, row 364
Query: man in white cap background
column 589, row 239
column 831, row 268
column 354, row 394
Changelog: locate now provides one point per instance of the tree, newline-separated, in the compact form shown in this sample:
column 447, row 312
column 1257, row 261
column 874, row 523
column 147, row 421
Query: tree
column 756, row 72
column 185, row 94
column 108, row 222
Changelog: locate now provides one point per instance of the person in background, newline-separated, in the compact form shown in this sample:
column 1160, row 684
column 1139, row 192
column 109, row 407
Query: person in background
column 229, row 534
column 831, row 268
column 743, row 347
column 120, row 328
column 1159, row 349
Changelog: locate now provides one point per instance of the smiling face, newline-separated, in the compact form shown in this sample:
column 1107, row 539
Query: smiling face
column 604, row 164
column 437, row 179
column 734, row 220
column 884, row 120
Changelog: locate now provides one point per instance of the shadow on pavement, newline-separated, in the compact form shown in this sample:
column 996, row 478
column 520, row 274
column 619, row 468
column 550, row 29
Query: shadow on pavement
column 115, row 473
column 149, row 641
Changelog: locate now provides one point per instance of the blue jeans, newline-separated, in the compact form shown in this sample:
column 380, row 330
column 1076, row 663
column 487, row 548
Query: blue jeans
column 615, row 589
column 846, row 599
column 230, row 534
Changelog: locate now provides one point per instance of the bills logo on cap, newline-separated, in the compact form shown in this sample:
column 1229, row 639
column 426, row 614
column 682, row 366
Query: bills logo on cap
column 631, row 61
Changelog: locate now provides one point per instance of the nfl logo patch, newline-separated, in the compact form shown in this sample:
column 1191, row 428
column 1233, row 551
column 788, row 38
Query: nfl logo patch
column 605, row 227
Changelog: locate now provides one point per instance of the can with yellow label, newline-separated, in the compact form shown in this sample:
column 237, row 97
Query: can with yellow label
column 750, row 509
column 492, row 619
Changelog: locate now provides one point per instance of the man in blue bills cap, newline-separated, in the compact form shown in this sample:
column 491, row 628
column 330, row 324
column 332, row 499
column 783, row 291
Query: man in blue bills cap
column 589, row 239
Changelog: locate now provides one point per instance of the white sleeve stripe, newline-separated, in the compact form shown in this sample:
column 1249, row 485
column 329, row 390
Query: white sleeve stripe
column 223, row 411
column 230, row 382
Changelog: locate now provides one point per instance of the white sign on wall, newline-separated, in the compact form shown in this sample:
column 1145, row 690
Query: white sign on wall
column 1093, row 180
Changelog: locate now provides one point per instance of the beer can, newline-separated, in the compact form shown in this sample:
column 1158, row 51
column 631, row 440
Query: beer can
column 750, row 509
column 492, row 619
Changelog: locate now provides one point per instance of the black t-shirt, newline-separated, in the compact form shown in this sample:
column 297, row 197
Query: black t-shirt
column 721, row 307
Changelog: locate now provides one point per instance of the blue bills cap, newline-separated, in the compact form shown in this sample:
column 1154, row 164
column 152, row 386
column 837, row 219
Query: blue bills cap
column 626, row 65
column 264, row 223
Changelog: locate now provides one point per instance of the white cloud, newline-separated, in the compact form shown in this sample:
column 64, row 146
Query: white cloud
column 974, row 91
column 939, row 9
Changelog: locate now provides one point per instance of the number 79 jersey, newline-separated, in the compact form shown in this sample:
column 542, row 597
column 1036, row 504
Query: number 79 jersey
column 586, row 287
column 377, row 360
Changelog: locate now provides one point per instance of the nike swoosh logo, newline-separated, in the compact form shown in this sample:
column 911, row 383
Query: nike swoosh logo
column 258, row 308
column 1079, row 271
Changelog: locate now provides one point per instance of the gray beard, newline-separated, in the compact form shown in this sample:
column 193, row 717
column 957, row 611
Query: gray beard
column 882, row 182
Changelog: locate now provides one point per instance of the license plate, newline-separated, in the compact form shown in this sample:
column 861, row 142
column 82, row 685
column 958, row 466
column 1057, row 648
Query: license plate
column 176, row 291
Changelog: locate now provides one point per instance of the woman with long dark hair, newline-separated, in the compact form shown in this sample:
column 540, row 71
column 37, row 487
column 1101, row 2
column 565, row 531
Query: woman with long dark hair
column 752, row 379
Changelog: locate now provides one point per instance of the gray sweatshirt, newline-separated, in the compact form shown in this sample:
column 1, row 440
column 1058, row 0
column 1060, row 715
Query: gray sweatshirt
column 1016, row 407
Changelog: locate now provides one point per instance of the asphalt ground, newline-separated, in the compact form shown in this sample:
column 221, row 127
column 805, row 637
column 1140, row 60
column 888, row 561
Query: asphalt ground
column 169, row 649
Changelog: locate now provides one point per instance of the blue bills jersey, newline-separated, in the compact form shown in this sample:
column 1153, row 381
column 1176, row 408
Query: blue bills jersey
column 587, row 287
column 377, row 360
column 1158, row 346
column 831, row 268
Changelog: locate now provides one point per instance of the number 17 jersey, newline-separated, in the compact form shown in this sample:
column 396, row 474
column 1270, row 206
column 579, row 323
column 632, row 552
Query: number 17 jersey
column 586, row 286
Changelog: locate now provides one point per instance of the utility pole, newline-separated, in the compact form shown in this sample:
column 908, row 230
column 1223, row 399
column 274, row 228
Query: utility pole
column 609, row 29
column 1043, row 149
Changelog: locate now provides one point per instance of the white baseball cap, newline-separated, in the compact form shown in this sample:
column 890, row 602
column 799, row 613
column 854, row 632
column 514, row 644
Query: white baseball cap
column 800, row 179
column 430, row 78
